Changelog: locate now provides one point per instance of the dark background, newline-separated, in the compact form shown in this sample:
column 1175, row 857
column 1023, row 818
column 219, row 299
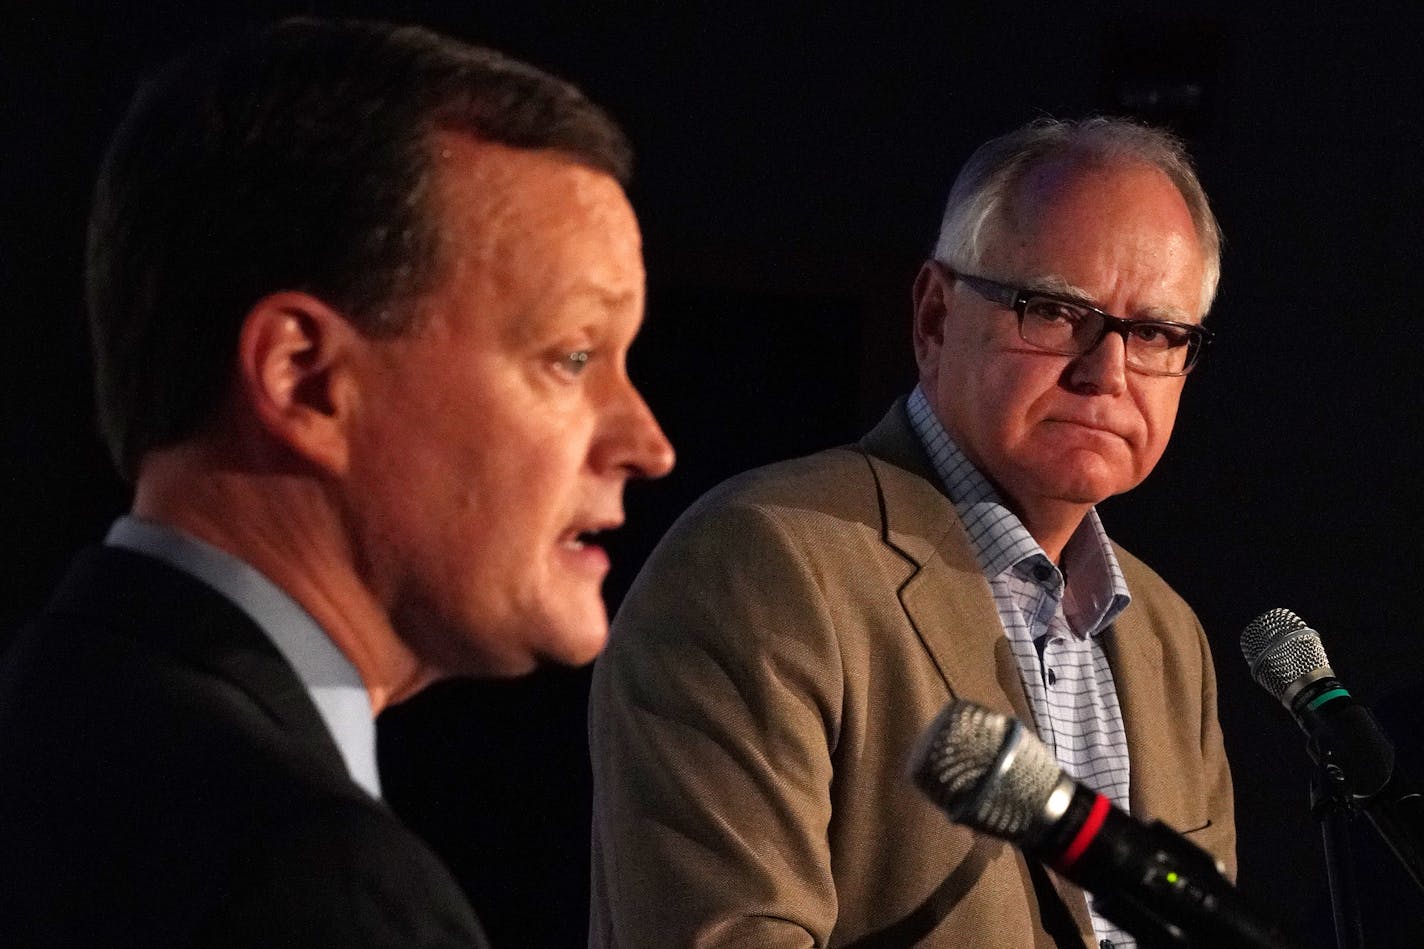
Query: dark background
column 793, row 160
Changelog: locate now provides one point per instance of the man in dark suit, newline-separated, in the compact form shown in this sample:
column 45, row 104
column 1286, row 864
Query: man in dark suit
column 361, row 298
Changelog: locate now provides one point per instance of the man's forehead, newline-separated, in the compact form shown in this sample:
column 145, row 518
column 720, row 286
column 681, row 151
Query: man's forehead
column 1060, row 184
column 1061, row 206
column 487, row 176
column 532, row 238
column 494, row 198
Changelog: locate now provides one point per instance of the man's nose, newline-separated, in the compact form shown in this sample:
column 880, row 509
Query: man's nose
column 1102, row 370
column 634, row 441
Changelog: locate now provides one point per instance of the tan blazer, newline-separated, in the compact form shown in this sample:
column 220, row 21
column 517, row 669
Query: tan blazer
column 767, row 676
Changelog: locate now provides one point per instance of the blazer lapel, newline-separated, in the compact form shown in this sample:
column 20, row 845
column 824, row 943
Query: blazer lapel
column 946, row 599
column 150, row 601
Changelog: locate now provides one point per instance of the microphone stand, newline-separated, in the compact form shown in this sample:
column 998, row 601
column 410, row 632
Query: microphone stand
column 1333, row 805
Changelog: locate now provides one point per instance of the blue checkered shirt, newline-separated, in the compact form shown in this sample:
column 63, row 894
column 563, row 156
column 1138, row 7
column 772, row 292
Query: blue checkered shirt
column 1052, row 626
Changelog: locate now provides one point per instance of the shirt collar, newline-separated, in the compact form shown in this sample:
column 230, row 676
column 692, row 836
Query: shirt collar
column 1098, row 592
column 328, row 676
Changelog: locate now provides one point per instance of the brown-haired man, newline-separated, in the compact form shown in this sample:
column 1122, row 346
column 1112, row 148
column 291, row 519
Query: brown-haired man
column 361, row 298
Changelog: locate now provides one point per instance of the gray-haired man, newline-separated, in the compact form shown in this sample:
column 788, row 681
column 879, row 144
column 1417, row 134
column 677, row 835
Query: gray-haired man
column 799, row 626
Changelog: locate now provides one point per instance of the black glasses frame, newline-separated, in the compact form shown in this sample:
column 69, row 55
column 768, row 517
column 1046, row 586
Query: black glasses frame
column 1018, row 299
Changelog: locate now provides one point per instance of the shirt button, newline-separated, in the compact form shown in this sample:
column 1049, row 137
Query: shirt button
column 1052, row 677
column 1042, row 572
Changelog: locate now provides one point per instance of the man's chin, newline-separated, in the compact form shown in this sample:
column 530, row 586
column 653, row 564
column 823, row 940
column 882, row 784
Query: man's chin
column 514, row 642
column 1084, row 480
column 575, row 640
column 1088, row 490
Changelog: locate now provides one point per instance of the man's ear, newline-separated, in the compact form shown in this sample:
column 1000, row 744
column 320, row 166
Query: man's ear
column 931, row 300
column 294, row 369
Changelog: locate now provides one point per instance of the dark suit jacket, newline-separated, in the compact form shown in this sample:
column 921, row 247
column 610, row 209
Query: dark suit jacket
column 165, row 780
column 752, row 719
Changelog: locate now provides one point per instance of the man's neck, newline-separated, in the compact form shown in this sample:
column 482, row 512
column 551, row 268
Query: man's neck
column 283, row 527
column 1051, row 523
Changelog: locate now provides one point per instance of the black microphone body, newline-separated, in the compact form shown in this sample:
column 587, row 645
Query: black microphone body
column 988, row 773
column 1150, row 880
column 1357, row 763
column 1343, row 733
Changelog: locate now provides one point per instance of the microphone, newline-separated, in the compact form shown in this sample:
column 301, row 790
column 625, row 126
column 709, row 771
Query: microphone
column 1288, row 660
column 989, row 773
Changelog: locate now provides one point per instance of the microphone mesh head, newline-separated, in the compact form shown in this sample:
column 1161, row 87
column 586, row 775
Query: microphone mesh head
column 1281, row 650
column 955, row 758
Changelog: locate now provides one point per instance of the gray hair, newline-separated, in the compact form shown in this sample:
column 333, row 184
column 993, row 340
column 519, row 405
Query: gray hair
column 978, row 200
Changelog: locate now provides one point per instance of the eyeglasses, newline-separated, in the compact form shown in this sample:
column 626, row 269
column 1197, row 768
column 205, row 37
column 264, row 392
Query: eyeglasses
column 1071, row 327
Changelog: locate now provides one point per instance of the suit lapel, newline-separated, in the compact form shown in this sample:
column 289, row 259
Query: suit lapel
column 150, row 601
column 946, row 599
column 949, row 602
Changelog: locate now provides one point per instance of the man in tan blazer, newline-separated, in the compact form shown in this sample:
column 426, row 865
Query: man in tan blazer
column 768, row 674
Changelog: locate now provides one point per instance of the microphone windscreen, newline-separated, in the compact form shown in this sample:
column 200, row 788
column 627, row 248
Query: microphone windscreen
column 1281, row 650
column 986, row 771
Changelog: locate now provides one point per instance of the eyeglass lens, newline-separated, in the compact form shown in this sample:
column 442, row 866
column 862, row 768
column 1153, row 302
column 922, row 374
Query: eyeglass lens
column 1060, row 326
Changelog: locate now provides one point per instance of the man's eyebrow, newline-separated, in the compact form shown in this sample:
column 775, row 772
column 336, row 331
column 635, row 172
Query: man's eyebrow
column 1054, row 285
column 584, row 304
column 602, row 294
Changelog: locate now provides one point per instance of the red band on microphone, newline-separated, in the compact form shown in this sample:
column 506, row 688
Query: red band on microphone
column 1086, row 833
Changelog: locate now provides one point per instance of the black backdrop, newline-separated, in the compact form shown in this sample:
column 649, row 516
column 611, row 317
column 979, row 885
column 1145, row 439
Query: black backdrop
column 792, row 164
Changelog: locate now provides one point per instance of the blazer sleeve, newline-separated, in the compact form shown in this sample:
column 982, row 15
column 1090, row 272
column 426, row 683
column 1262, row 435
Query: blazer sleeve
column 713, row 726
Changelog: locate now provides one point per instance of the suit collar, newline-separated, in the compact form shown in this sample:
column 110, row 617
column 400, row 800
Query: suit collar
column 946, row 599
column 325, row 672
column 149, row 601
